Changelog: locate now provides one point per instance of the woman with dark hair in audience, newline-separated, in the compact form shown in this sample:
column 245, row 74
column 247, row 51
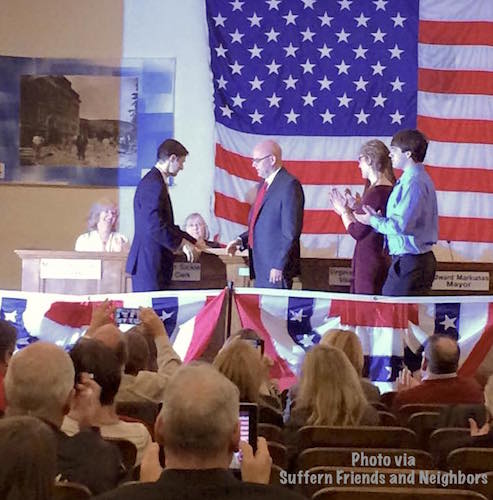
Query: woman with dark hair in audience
column 102, row 235
column 348, row 342
column 28, row 451
column 370, row 263
column 329, row 393
column 8, row 337
column 93, row 357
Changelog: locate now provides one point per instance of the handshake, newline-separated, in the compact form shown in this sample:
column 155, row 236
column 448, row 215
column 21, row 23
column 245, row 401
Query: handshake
column 191, row 251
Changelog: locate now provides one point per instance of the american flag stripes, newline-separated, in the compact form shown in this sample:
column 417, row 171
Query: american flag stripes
column 324, row 77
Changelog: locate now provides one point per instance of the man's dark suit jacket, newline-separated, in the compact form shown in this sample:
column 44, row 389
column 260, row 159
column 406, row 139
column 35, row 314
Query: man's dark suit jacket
column 210, row 484
column 87, row 459
column 277, row 230
column 150, row 261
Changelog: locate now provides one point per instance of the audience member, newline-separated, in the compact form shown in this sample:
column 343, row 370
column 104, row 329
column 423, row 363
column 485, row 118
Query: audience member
column 147, row 385
column 350, row 345
column 92, row 356
column 268, row 387
column 102, row 235
column 440, row 383
column 28, row 451
column 240, row 362
column 40, row 383
column 199, row 430
column 329, row 393
column 138, row 382
column 8, row 336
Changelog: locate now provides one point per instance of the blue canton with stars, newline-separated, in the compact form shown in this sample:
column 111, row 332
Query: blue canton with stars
column 167, row 309
column 300, row 311
column 12, row 310
column 311, row 67
column 447, row 319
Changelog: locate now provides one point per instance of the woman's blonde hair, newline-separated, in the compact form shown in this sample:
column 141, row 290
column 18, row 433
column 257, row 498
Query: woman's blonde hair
column 241, row 363
column 348, row 342
column 330, row 390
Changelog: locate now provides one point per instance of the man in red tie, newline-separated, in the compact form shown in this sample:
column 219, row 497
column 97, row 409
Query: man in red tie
column 274, row 223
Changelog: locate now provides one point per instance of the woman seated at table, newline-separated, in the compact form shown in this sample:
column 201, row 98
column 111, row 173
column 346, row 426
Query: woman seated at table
column 196, row 226
column 370, row 261
column 102, row 235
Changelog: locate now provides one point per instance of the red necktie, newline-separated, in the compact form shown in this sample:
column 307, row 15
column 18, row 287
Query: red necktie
column 255, row 211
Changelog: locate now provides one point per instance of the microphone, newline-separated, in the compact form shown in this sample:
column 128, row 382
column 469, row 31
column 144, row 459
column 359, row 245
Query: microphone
column 450, row 251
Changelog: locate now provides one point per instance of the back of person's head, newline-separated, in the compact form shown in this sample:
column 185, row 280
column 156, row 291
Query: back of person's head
column 93, row 357
column 39, row 382
column 413, row 141
column 442, row 354
column 239, row 361
column 8, row 337
column 171, row 147
column 28, row 451
column 151, row 345
column 376, row 154
column 112, row 337
column 138, row 352
column 329, row 390
column 348, row 342
column 200, row 413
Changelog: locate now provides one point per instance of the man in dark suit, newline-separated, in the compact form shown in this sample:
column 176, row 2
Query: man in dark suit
column 150, row 261
column 199, row 430
column 275, row 221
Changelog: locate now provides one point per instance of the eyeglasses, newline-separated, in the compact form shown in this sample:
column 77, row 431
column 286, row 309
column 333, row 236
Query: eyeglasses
column 258, row 160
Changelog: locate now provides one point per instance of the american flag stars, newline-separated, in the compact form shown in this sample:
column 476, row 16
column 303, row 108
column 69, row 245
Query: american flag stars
column 312, row 66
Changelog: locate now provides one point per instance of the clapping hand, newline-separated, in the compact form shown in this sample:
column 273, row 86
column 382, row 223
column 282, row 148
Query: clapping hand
column 338, row 201
column 365, row 217
column 352, row 201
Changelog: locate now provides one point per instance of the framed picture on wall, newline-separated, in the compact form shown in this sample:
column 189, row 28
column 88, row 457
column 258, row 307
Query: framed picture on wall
column 83, row 122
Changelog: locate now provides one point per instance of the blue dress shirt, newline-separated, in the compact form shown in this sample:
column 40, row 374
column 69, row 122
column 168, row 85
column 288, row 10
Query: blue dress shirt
column 411, row 224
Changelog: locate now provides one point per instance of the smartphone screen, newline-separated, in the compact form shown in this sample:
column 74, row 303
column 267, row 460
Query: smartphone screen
column 248, row 430
column 127, row 316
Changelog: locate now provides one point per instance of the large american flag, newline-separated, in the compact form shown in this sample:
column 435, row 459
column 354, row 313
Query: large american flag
column 323, row 77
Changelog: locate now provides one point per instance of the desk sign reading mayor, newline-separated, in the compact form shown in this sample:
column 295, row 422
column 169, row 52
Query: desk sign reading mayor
column 396, row 469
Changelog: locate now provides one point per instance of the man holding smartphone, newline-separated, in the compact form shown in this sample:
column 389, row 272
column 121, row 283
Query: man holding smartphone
column 199, row 429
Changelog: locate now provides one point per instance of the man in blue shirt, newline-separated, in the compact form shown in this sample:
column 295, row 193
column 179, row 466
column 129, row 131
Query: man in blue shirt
column 411, row 224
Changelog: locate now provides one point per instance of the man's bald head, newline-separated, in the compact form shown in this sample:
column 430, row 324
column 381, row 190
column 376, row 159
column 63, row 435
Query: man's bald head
column 200, row 412
column 442, row 354
column 112, row 337
column 39, row 382
column 267, row 157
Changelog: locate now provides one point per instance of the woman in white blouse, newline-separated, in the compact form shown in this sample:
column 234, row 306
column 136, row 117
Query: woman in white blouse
column 102, row 236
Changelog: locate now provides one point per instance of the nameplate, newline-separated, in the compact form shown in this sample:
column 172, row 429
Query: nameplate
column 73, row 269
column 340, row 276
column 477, row 281
column 244, row 272
column 186, row 271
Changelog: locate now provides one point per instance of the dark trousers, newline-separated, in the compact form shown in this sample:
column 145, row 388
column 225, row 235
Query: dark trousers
column 410, row 274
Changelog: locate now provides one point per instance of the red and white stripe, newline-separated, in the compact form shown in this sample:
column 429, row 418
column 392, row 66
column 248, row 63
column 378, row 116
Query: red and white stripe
column 455, row 110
